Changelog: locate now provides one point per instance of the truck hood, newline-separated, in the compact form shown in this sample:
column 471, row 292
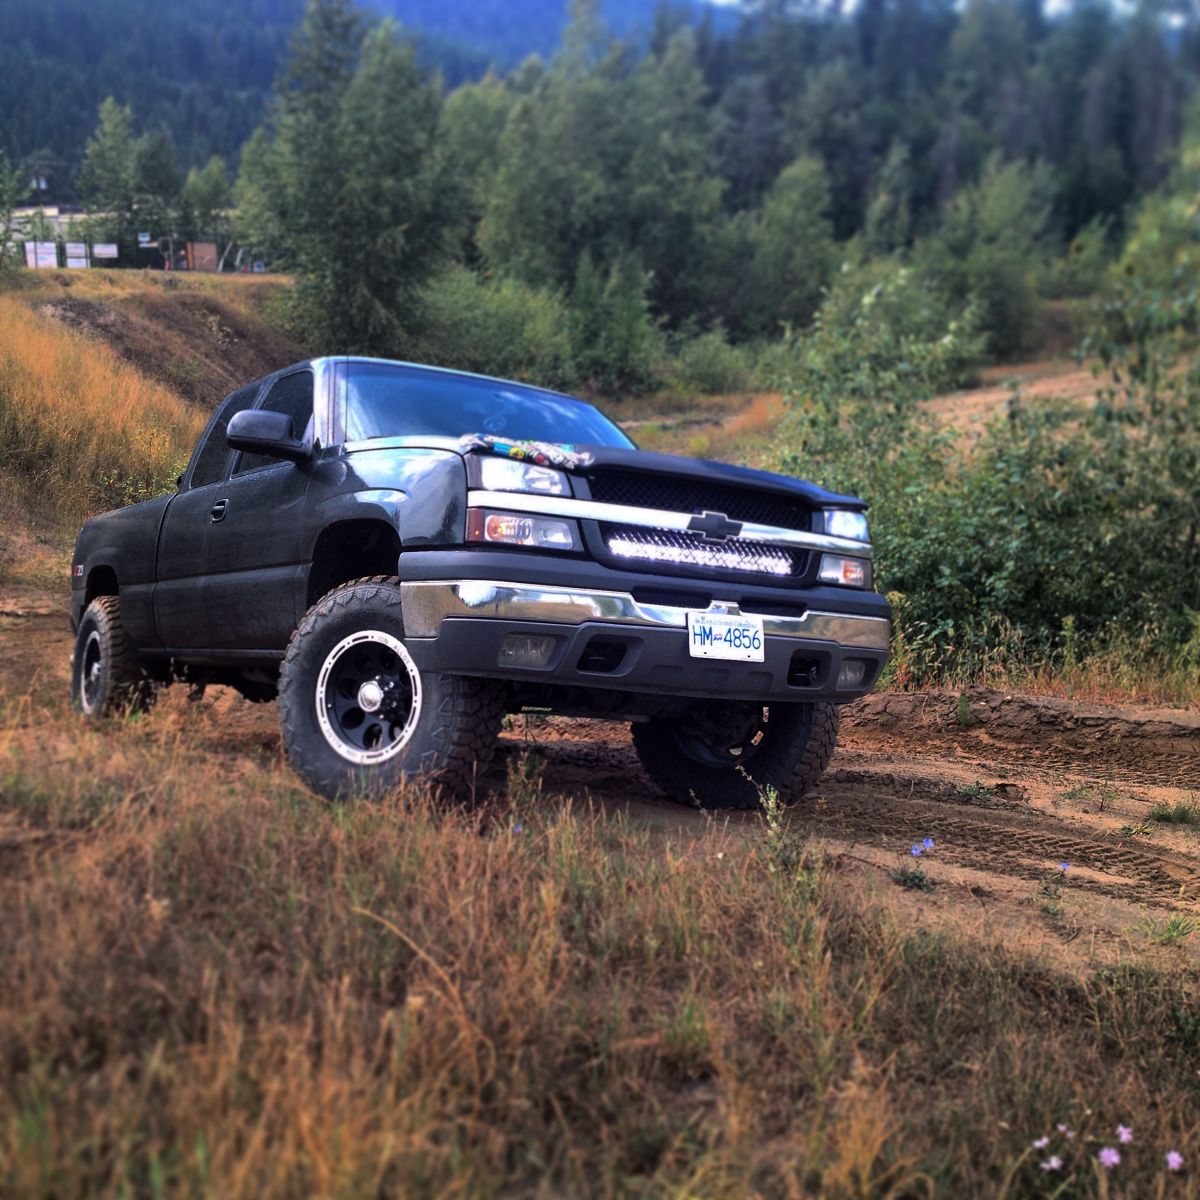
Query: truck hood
column 600, row 458
column 651, row 463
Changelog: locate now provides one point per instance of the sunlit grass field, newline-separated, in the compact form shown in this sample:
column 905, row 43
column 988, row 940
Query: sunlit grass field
column 212, row 984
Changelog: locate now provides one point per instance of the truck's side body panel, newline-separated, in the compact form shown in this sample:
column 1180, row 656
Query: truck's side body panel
column 123, row 542
column 420, row 491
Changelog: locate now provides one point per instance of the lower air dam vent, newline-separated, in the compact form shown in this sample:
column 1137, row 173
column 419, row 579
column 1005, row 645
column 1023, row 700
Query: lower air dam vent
column 691, row 550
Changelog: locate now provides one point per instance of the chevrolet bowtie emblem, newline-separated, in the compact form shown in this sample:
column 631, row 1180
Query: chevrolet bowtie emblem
column 716, row 527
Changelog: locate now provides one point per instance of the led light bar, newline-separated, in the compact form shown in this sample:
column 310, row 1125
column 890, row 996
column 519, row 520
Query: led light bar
column 727, row 557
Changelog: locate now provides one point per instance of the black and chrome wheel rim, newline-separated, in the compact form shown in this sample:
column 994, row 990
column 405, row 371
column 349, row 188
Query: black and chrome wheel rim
column 722, row 735
column 91, row 673
column 368, row 697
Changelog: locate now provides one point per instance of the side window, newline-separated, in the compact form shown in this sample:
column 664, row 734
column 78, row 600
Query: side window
column 214, row 454
column 293, row 395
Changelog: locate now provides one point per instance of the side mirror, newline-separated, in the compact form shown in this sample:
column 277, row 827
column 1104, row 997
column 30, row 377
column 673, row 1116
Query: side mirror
column 263, row 432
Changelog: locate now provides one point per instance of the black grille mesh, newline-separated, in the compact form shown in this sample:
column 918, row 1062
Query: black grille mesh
column 640, row 548
column 695, row 495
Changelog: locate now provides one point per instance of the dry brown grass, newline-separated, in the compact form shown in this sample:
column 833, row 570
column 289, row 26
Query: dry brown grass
column 79, row 429
column 213, row 985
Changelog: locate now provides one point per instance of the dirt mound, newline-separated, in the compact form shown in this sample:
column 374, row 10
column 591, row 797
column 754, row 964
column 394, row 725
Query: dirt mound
column 193, row 341
column 1159, row 743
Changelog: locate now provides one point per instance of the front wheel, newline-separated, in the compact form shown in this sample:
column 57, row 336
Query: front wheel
column 106, row 676
column 727, row 754
column 357, row 714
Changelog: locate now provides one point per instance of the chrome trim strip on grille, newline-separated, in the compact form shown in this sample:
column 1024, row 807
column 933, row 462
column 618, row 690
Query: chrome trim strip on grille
column 657, row 518
column 427, row 604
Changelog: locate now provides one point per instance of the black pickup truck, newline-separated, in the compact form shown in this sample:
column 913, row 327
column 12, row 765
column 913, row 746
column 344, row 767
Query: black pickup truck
column 402, row 554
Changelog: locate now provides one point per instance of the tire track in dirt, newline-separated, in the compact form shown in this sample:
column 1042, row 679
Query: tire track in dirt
column 993, row 827
column 990, row 794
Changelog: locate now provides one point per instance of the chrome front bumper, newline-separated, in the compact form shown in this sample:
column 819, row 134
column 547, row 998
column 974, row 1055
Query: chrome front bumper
column 427, row 604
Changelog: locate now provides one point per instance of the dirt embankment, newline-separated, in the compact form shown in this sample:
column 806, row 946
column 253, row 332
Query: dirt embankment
column 202, row 339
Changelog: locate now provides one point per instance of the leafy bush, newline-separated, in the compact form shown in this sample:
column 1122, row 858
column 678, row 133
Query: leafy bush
column 1055, row 520
column 1083, row 269
column 505, row 328
column 614, row 340
column 708, row 364
column 990, row 248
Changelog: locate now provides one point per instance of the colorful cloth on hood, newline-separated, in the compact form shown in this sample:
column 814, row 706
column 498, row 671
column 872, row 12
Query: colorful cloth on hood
column 541, row 454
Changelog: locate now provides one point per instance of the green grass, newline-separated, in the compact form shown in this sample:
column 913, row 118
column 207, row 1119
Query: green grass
column 1181, row 813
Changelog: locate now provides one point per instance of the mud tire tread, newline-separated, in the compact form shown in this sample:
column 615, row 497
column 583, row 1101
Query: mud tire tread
column 131, row 690
column 468, row 714
column 792, row 769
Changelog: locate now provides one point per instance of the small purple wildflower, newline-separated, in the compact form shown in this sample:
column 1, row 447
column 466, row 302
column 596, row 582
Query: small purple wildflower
column 1174, row 1160
column 1124, row 1135
column 518, row 828
column 917, row 848
column 1041, row 1143
column 928, row 843
column 1109, row 1157
column 1066, row 1131
column 1053, row 1163
column 1064, row 867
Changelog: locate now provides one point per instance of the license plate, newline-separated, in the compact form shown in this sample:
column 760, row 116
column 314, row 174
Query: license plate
column 715, row 636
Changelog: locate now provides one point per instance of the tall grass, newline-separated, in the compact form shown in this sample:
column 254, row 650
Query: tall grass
column 212, row 985
column 80, row 430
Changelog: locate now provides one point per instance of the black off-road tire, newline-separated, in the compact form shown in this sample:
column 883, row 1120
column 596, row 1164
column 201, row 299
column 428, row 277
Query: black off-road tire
column 454, row 720
column 106, row 676
column 797, row 741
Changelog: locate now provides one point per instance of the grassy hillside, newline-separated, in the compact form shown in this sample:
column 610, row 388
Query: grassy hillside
column 106, row 379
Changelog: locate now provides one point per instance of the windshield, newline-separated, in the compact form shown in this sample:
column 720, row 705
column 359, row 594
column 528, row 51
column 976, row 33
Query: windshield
column 388, row 400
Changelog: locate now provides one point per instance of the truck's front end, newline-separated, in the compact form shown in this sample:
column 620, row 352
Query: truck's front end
column 726, row 612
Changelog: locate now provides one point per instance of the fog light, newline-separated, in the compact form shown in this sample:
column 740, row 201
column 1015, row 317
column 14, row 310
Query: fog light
column 849, row 572
column 852, row 674
column 525, row 650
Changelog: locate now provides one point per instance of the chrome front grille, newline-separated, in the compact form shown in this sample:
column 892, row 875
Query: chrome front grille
column 682, row 494
column 634, row 545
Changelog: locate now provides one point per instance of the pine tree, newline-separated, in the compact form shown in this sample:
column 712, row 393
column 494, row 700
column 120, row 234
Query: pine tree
column 106, row 181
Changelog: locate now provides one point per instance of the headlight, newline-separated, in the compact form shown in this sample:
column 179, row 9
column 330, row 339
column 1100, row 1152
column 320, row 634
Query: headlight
column 509, row 475
column 845, row 523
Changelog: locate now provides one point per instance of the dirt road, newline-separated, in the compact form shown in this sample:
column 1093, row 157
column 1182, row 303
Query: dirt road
column 1008, row 792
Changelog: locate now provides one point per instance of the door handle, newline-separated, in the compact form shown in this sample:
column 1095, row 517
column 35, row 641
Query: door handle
column 217, row 512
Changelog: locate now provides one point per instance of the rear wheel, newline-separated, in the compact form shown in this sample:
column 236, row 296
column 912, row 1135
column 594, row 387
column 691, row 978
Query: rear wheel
column 106, row 676
column 726, row 754
column 357, row 713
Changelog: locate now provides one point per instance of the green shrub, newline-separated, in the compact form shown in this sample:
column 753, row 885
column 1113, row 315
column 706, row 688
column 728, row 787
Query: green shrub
column 1055, row 519
column 505, row 328
column 709, row 365
column 614, row 340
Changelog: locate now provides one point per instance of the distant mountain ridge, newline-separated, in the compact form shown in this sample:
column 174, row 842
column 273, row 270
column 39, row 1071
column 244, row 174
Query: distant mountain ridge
column 202, row 70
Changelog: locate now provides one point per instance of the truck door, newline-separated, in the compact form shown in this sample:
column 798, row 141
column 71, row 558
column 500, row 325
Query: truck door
column 179, row 611
column 255, row 552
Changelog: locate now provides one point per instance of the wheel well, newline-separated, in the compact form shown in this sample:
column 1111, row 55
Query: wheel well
column 351, row 550
column 101, row 582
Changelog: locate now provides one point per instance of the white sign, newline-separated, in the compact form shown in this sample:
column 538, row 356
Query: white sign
column 104, row 250
column 143, row 239
column 41, row 254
